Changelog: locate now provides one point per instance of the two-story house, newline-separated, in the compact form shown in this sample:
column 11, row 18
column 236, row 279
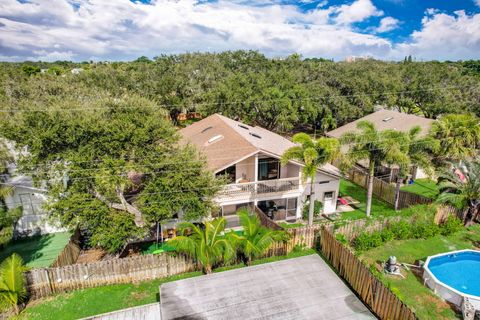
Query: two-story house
column 250, row 158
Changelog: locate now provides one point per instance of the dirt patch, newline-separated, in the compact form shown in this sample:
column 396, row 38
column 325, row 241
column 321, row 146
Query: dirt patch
column 140, row 295
column 91, row 255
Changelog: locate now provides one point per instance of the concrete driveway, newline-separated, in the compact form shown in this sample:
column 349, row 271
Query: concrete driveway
column 300, row 288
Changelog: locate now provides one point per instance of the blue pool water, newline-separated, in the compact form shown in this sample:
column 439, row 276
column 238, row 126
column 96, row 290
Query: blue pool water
column 460, row 271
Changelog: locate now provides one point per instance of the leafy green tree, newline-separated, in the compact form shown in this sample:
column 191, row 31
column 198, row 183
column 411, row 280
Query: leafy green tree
column 376, row 147
column 102, row 165
column 460, row 187
column 12, row 282
column 459, row 136
column 314, row 154
column 207, row 244
column 255, row 239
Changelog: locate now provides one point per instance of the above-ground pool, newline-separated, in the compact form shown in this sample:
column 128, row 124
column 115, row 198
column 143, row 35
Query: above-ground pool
column 454, row 276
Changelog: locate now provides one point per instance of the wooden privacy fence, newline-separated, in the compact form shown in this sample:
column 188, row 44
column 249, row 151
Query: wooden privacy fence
column 386, row 191
column 47, row 281
column 371, row 290
column 70, row 253
column 444, row 211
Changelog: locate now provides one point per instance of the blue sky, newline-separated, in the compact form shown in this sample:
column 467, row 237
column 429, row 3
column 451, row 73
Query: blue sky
column 79, row 30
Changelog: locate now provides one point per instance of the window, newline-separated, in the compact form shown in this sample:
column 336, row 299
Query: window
column 230, row 173
column 328, row 195
column 268, row 169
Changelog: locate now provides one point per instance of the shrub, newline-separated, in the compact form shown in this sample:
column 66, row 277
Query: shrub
column 317, row 209
column 366, row 241
column 341, row 238
column 451, row 225
column 387, row 235
column 402, row 230
column 425, row 230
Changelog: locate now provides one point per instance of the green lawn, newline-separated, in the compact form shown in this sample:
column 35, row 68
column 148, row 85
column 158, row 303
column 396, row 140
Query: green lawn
column 411, row 290
column 92, row 301
column 423, row 187
column 379, row 207
column 38, row 251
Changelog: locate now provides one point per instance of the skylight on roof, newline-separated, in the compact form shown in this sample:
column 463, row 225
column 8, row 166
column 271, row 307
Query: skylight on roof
column 215, row 139
column 243, row 127
column 255, row 135
column 387, row 119
column 206, row 129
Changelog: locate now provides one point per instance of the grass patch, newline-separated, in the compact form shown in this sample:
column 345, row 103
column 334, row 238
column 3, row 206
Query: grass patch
column 93, row 301
column 38, row 251
column 288, row 225
column 424, row 187
column 411, row 290
column 380, row 208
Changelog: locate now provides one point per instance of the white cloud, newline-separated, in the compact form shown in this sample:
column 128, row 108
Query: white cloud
column 387, row 24
column 445, row 37
column 477, row 2
column 358, row 11
column 121, row 29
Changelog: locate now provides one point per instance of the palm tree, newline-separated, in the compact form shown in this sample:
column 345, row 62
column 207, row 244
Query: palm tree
column 460, row 187
column 313, row 153
column 12, row 282
column 459, row 136
column 256, row 239
column 206, row 244
column 376, row 147
column 418, row 152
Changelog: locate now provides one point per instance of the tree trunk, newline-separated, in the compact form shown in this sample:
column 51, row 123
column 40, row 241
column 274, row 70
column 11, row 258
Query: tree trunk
column 208, row 269
column 312, row 202
column 397, row 193
column 371, row 172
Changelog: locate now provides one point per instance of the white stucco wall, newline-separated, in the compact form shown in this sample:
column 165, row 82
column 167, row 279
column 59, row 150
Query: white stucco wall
column 34, row 218
column 331, row 185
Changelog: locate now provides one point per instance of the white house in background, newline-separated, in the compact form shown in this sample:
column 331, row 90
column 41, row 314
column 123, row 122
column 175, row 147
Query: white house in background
column 31, row 199
column 384, row 119
column 250, row 157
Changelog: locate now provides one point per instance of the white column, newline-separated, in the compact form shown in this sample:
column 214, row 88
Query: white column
column 256, row 172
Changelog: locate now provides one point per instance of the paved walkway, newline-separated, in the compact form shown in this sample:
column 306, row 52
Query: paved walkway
column 146, row 312
column 300, row 288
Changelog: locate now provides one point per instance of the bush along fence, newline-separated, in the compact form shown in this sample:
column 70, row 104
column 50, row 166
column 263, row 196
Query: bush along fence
column 70, row 253
column 374, row 293
column 386, row 191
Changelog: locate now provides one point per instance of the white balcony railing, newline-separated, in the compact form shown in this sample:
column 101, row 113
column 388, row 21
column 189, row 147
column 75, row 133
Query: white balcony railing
column 260, row 187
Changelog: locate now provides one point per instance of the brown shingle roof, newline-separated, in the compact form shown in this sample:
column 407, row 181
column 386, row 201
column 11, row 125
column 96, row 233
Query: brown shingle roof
column 225, row 141
column 386, row 119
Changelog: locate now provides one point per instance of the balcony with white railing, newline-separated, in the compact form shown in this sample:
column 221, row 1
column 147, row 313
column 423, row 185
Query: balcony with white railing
column 254, row 190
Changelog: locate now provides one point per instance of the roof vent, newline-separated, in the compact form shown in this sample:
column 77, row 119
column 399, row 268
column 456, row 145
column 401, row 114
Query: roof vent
column 215, row 139
column 255, row 135
column 243, row 127
column 206, row 129
column 387, row 119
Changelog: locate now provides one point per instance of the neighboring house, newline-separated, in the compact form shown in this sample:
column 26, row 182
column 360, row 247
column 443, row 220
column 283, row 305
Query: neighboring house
column 384, row 119
column 34, row 217
column 250, row 158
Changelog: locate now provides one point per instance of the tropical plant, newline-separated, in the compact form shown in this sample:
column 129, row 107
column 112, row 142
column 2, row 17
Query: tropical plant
column 12, row 282
column 377, row 147
column 460, row 187
column 255, row 239
column 313, row 154
column 207, row 244
column 418, row 151
column 458, row 134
